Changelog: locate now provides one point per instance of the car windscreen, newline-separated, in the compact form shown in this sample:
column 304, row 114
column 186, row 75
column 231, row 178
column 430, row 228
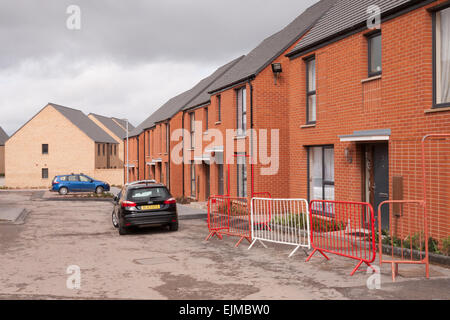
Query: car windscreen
column 148, row 194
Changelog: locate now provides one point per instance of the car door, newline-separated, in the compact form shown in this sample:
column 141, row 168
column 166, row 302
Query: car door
column 86, row 184
column 73, row 183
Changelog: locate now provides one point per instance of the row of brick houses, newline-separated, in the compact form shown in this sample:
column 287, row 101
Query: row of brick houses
column 59, row 140
column 351, row 105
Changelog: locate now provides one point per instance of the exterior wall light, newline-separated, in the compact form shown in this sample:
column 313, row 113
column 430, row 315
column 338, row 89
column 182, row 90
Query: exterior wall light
column 348, row 155
column 276, row 69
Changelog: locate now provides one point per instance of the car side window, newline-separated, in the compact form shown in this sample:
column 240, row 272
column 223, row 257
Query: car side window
column 84, row 179
column 73, row 178
column 63, row 178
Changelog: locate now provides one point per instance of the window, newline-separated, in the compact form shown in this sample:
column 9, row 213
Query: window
column 242, row 111
column 73, row 179
column 219, row 108
column 311, row 100
column 321, row 173
column 206, row 119
column 192, row 121
column 85, row 179
column 44, row 173
column 442, row 58
column 242, row 176
column 115, row 150
column 45, row 149
column 98, row 149
column 193, row 192
column 167, row 175
column 374, row 49
column 167, row 137
column 104, row 150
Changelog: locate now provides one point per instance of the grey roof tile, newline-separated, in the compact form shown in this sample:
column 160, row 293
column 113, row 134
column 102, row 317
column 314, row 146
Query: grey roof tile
column 85, row 124
column 112, row 125
column 272, row 47
column 3, row 137
column 344, row 15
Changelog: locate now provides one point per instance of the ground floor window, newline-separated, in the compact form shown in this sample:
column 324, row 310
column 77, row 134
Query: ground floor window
column 242, row 176
column 44, row 173
column 193, row 192
column 321, row 173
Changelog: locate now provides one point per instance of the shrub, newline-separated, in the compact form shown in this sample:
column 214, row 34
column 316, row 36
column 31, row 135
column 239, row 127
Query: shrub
column 299, row 220
column 446, row 246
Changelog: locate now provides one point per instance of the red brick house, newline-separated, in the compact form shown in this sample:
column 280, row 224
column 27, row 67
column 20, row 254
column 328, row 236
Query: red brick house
column 360, row 101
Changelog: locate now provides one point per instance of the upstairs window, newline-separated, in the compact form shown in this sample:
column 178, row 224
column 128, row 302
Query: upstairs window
column 374, row 46
column 242, row 111
column 192, row 124
column 219, row 108
column 311, row 97
column 206, row 120
column 442, row 58
column 98, row 150
column 45, row 149
column 167, row 137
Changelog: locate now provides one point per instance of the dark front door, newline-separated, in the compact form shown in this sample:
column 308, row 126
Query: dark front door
column 381, row 181
column 207, row 185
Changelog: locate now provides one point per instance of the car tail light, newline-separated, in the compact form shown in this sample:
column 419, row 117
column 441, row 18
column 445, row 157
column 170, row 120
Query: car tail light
column 170, row 201
column 128, row 204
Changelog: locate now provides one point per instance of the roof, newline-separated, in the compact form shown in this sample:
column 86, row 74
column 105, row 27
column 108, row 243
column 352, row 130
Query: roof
column 204, row 97
column 3, row 137
column 272, row 47
column 174, row 105
column 113, row 126
column 123, row 123
column 344, row 16
column 82, row 121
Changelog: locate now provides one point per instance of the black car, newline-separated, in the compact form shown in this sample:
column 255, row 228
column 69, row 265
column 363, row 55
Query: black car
column 144, row 204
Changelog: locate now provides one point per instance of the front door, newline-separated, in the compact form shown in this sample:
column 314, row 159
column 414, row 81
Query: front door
column 381, row 179
column 377, row 179
column 207, row 185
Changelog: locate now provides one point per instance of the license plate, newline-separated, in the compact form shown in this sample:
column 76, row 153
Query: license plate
column 154, row 207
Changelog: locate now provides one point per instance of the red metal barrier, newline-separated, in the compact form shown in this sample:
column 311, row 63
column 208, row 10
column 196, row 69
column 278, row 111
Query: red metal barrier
column 229, row 216
column 343, row 228
column 406, row 233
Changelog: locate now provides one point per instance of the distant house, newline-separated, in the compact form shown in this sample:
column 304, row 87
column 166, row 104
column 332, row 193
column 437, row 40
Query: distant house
column 60, row 140
column 3, row 138
column 116, row 128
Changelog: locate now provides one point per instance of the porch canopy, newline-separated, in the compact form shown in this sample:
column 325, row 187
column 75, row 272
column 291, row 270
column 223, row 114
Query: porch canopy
column 368, row 135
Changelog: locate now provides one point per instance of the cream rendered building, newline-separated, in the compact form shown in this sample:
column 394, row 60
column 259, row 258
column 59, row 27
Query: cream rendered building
column 57, row 141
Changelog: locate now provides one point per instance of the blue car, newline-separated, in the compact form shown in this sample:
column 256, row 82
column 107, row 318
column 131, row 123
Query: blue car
column 78, row 183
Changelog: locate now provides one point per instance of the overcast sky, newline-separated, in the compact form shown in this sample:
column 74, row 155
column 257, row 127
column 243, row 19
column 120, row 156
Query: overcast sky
column 129, row 57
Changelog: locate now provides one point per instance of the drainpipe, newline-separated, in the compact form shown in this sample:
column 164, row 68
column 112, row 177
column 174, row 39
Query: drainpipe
column 137, row 148
column 251, row 133
column 182, row 126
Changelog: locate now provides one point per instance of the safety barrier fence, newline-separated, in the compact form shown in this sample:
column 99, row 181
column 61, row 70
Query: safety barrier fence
column 343, row 228
column 281, row 221
column 402, row 234
column 229, row 216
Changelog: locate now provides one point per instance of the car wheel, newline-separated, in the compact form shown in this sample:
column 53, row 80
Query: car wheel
column 99, row 190
column 114, row 220
column 123, row 231
column 173, row 226
column 63, row 191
